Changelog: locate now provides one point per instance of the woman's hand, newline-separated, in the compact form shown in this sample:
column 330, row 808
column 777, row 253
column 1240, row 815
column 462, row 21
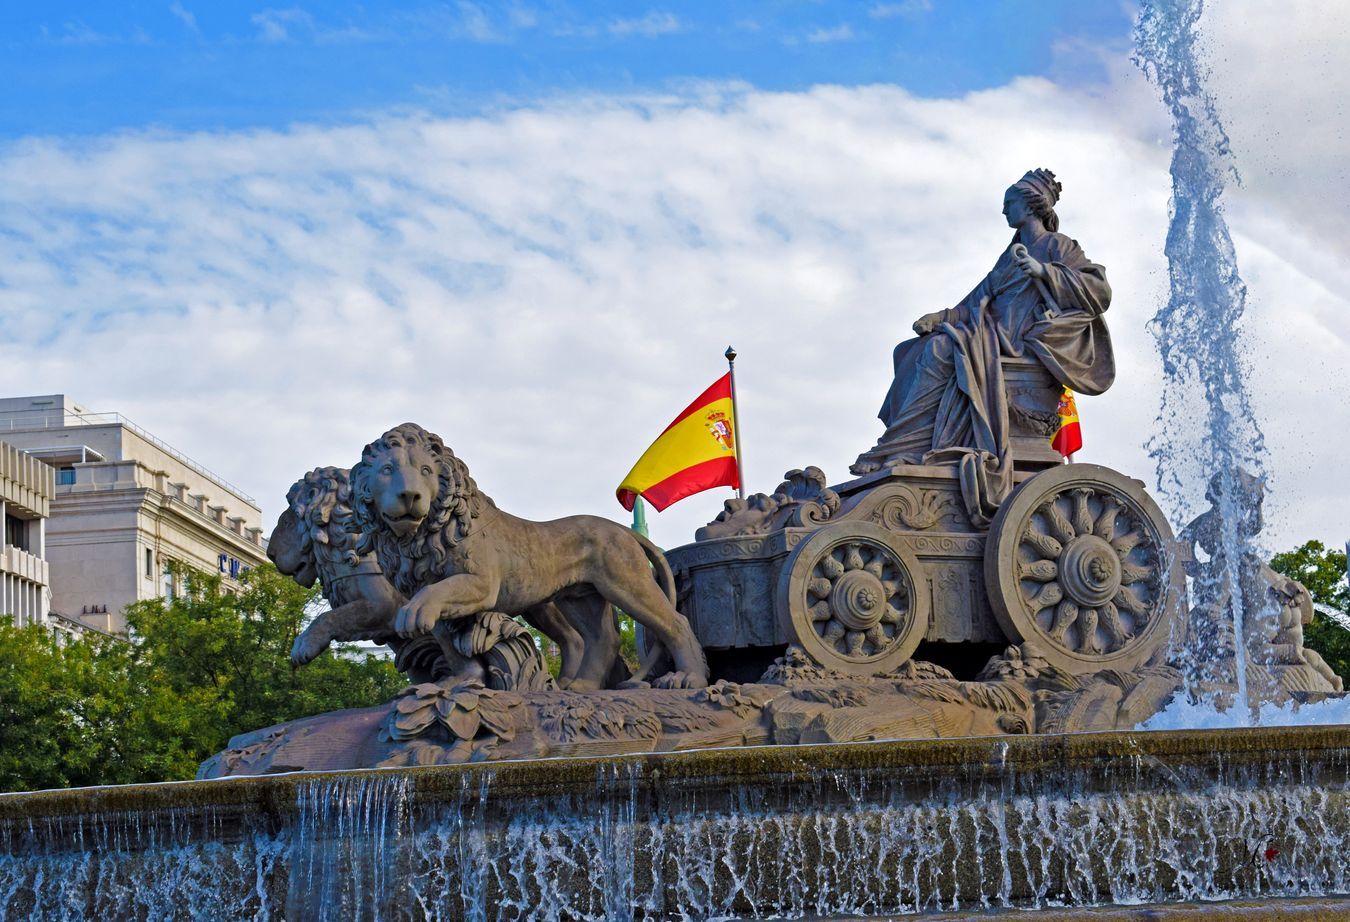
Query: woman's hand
column 929, row 322
column 1028, row 263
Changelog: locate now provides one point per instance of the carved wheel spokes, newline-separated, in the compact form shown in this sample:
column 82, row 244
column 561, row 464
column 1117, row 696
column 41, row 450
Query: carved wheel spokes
column 1085, row 573
column 861, row 599
column 848, row 597
column 1078, row 561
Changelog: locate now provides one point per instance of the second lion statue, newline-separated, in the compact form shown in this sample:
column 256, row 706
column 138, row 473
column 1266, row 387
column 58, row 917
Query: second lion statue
column 447, row 546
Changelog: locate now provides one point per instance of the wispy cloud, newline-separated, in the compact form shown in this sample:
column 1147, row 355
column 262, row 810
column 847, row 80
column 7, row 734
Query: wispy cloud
column 188, row 20
column 903, row 8
column 651, row 25
column 277, row 25
column 521, row 17
column 78, row 32
column 475, row 23
column 822, row 35
column 295, row 24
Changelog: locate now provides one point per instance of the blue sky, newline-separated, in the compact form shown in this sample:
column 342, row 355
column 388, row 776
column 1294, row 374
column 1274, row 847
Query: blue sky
column 91, row 67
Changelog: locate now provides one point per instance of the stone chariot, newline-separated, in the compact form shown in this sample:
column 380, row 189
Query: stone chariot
column 1077, row 561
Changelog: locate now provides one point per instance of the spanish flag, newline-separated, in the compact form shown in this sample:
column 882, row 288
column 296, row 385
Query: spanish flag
column 1068, row 438
column 696, row 452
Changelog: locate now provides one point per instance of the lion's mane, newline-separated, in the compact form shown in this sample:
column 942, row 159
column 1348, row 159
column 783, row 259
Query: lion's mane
column 322, row 503
column 415, row 561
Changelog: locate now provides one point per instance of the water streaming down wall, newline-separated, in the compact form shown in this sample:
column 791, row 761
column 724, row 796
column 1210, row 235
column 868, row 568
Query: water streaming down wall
column 1200, row 340
column 866, row 829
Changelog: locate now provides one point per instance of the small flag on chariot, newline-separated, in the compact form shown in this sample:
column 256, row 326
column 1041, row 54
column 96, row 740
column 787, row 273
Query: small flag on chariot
column 696, row 452
column 1068, row 438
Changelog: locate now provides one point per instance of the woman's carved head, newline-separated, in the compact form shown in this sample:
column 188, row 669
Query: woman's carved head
column 1038, row 192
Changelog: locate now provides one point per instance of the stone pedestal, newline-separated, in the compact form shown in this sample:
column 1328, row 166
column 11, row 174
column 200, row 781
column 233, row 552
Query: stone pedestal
column 865, row 830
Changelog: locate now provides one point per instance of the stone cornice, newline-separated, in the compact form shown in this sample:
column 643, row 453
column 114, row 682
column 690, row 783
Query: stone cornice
column 148, row 501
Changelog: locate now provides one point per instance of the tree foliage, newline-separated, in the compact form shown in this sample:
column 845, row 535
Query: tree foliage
column 192, row 673
column 1322, row 570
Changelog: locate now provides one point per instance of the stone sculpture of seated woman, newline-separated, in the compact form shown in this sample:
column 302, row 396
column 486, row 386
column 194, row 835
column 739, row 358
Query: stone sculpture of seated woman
column 948, row 402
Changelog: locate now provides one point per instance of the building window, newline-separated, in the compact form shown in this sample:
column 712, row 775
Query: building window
column 16, row 532
column 170, row 583
column 65, row 476
column 149, row 564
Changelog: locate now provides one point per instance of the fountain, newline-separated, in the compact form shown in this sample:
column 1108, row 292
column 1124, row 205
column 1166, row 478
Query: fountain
column 910, row 692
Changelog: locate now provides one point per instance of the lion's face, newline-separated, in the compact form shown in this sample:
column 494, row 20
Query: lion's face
column 403, row 484
column 290, row 551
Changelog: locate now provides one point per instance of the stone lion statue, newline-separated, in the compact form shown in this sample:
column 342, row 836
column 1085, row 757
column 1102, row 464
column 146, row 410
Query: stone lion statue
column 312, row 539
column 446, row 545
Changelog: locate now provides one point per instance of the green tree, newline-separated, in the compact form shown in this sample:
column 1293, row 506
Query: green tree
column 236, row 646
column 87, row 711
column 192, row 673
column 1322, row 570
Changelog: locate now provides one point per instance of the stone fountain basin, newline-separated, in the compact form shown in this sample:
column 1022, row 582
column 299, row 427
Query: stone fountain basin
column 867, row 829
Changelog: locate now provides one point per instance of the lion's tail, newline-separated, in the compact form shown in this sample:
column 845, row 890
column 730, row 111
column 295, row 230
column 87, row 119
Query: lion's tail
column 665, row 578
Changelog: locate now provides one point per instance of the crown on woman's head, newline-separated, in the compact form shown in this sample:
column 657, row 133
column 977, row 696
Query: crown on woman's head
column 1043, row 183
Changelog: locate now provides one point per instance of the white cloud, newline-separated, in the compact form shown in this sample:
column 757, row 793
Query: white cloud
column 522, row 17
column 1284, row 90
column 184, row 16
column 476, row 24
column 78, row 32
column 821, row 35
column 547, row 286
column 905, row 8
column 651, row 25
column 275, row 25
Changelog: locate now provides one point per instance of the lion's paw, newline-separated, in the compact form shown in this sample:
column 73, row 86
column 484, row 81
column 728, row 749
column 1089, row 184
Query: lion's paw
column 681, row 680
column 306, row 647
column 631, row 684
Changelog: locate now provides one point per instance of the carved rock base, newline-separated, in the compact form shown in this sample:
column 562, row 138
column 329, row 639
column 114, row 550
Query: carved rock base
column 795, row 702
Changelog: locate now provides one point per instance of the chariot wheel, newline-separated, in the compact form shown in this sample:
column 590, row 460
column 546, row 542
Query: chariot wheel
column 1079, row 562
column 853, row 599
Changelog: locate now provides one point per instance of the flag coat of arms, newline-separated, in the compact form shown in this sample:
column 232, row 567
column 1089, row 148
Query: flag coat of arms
column 1068, row 438
column 696, row 452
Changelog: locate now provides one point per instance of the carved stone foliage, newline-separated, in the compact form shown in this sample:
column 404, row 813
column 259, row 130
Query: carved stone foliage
column 850, row 596
column 911, row 508
column 1030, row 414
column 803, row 499
column 797, row 701
column 509, row 656
column 1079, row 562
column 431, row 724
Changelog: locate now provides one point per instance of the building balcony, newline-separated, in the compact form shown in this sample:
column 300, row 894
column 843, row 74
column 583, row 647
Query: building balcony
column 20, row 563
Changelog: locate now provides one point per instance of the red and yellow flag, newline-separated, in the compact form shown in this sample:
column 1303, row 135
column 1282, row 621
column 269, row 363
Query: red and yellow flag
column 1068, row 438
column 696, row 452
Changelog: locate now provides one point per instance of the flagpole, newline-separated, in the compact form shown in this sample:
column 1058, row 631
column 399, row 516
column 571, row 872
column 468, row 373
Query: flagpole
column 640, row 517
column 736, row 424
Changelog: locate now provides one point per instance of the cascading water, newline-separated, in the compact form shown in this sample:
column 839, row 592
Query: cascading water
column 346, row 854
column 1199, row 336
column 862, row 830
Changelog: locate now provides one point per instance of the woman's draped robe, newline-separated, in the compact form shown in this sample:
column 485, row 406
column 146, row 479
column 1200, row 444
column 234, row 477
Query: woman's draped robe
column 948, row 402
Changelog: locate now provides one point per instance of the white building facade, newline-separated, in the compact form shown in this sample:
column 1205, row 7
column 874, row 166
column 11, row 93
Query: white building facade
column 26, row 488
column 124, row 507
